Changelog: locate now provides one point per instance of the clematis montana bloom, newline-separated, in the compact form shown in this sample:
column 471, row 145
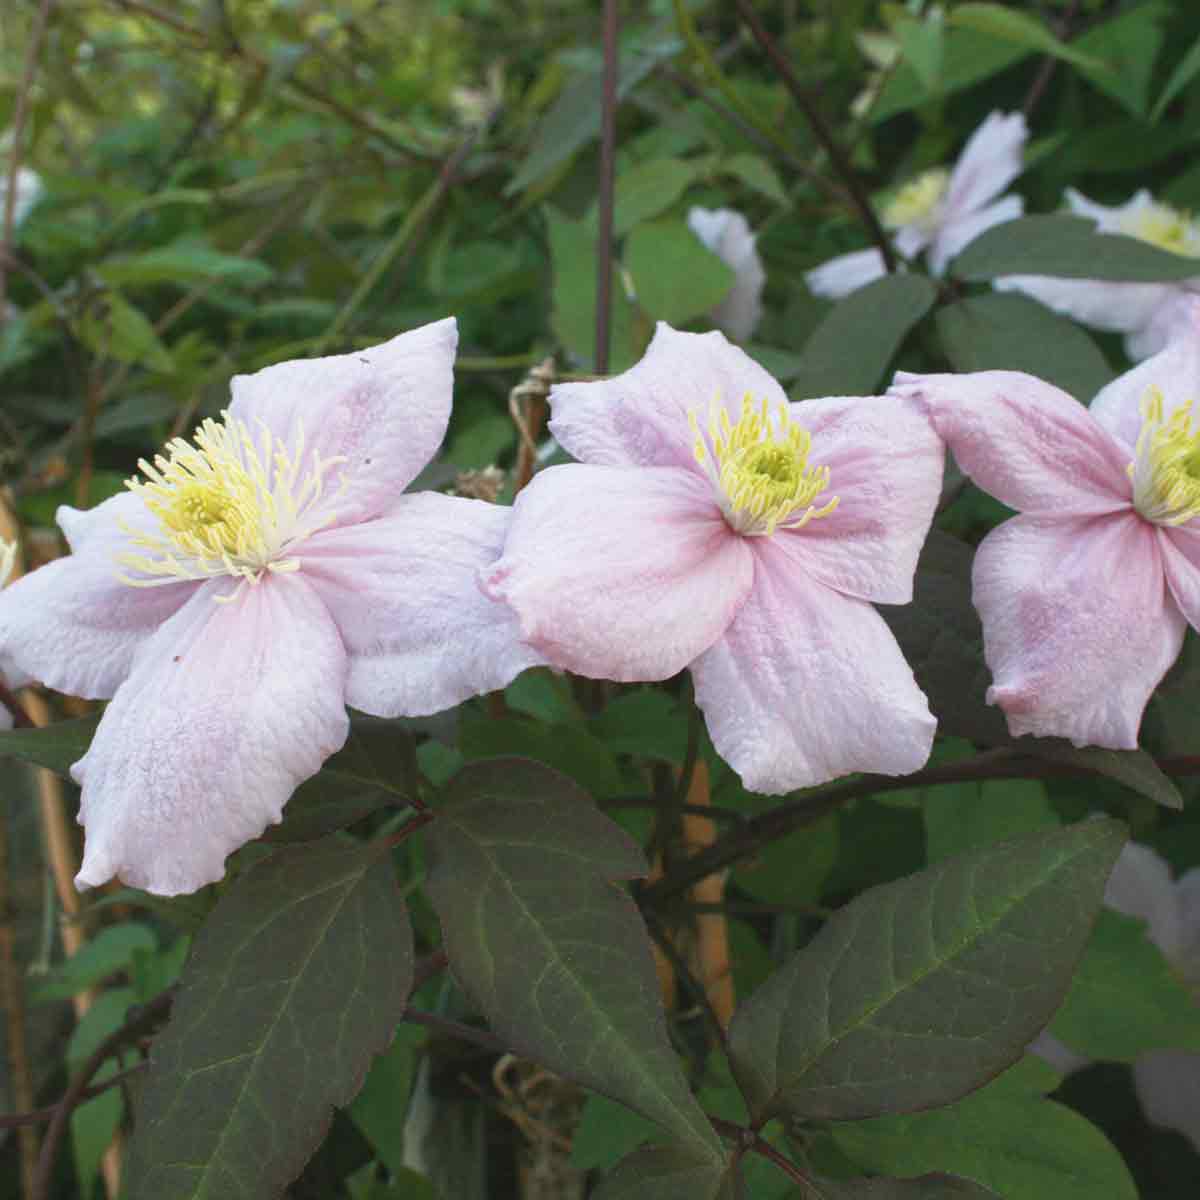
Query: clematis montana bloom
column 940, row 211
column 8, row 558
column 727, row 234
column 1144, row 312
column 1086, row 595
column 1167, row 1081
column 250, row 586
column 710, row 524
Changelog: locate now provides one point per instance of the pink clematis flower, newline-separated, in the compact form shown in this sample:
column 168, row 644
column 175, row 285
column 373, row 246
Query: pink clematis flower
column 1144, row 312
column 713, row 525
column 8, row 558
column 1085, row 596
column 254, row 583
column 1167, row 1081
column 940, row 211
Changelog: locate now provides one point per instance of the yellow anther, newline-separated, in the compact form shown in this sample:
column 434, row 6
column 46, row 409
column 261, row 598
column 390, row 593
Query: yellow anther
column 1165, row 227
column 1166, row 467
column 760, row 469
column 918, row 201
column 229, row 504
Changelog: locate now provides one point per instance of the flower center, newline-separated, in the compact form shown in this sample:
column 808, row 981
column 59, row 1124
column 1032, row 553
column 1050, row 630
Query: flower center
column 759, row 468
column 1164, row 227
column 227, row 503
column 918, row 202
column 1166, row 467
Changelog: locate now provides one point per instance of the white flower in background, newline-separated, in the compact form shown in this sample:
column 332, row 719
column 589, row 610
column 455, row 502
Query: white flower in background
column 727, row 234
column 1167, row 1081
column 1144, row 312
column 28, row 187
column 8, row 560
column 942, row 210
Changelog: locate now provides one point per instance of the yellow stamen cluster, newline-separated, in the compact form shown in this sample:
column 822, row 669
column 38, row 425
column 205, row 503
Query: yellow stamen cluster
column 760, row 469
column 918, row 201
column 229, row 504
column 1164, row 227
column 1166, row 467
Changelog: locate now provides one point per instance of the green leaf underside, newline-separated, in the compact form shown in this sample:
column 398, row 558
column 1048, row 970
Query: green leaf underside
column 1067, row 248
column 926, row 1187
column 847, row 354
column 553, row 953
column 54, row 746
column 297, row 979
column 1136, row 769
column 667, row 1173
column 921, row 990
column 1125, row 999
column 1016, row 1144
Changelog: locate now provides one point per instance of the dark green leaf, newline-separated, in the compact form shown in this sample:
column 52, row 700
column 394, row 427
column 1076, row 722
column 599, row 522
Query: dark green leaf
column 296, row 980
column 1125, row 998
column 607, row 1131
column 966, row 816
column 647, row 722
column 668, row 1173
column 554, row 954
column 183, row 264
column 1006, row 332
column 375, row 768
column 921, row 990
column 1127, row 49
column 967, row 58
column 925, row 1187
column 381, row 1106
column 849, row 351
column 675, row 276
column 1067, row 248
column 1184, row 73
column 1017, row 1145
column 942, row 639
column 1134, row 768
column 1003, row 22
column 55, row 746
column 113, row 328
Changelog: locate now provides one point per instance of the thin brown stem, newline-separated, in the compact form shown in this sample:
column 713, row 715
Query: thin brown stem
column 455, row 1029
column 1041, row 81
column 39, row 1116
column 20, row 112
column 821, row 131
column 140, row 1022
column 21, row 719
column 604, row 203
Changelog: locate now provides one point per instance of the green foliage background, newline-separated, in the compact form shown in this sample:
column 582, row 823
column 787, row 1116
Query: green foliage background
column 231, row 183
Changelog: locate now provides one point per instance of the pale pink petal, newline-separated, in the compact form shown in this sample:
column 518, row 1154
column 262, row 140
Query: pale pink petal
column 1025, row 441
column 228, row 708
column 955, row 235
column 1181, row 562
column 1141, row 886
column 74, row 626
column 1060, row 1056
column 403, row 590
column 910, row 240
column 846, row 273
column 1078, row 628
column 885, row 464
column 990, row 161
column 1108, row 218
column 28, row 190
column 727, row 234
column 382, row 411
column 621, row 573
column 102, row 529
column 1168, row 1085
column 641, row 416
column 1100, row 303
column 1186, row 956
column 1174, row 371
column 807, row 685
